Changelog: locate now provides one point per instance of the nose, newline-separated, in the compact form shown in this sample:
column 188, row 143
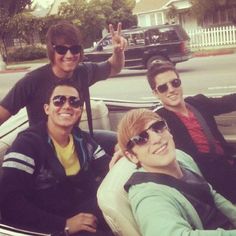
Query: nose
column 170, row 87
column 154, row 137
column 66, row 105
column 69, row 54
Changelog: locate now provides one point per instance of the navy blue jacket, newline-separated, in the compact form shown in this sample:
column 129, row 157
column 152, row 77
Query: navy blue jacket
column 35, row 191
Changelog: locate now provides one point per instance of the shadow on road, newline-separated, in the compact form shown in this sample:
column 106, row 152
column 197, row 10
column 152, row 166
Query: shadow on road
column 129, row 72
column 185, row 70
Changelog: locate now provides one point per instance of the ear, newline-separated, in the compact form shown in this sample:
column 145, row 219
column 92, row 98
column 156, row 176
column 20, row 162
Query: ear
column 132, row 157
column 46, row 108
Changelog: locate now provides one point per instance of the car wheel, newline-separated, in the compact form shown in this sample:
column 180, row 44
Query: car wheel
column 156, row 58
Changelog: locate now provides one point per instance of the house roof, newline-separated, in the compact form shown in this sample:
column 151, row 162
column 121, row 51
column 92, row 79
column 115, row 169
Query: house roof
column 149, row 5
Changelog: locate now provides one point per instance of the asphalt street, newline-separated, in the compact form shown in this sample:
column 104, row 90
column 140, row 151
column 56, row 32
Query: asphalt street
column 213, row 76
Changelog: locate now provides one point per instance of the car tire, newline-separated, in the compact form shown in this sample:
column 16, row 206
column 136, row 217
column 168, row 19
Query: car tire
column 156, row 58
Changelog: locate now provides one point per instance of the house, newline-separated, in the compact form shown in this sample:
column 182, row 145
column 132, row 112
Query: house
column 152, row 12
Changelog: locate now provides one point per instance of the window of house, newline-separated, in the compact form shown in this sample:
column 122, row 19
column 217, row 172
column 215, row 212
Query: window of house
column 159, row 18
column 152, row 19
column 143, row 20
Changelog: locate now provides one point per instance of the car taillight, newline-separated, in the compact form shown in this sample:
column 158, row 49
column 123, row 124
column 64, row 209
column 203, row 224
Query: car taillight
column 184, row 46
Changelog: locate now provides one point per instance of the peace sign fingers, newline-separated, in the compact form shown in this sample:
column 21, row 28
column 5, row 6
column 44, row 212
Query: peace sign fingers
column 119, row 42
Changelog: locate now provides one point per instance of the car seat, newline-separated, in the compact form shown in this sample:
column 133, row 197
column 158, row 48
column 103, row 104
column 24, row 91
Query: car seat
column 113, row 199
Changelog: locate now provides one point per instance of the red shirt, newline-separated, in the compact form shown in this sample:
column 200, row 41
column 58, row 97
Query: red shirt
column 196, row 132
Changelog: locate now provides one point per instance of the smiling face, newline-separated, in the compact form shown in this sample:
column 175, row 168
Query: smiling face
column 64, row 116
column 64, row 64
column 157, row 154
column 173, row 96
column 63, row 33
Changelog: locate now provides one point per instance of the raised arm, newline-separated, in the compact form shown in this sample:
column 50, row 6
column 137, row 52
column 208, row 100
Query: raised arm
column 117, row 59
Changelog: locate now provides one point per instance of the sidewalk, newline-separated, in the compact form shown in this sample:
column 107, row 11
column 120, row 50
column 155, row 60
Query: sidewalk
column 21, row 67
column 31, row 66
column 216, row 52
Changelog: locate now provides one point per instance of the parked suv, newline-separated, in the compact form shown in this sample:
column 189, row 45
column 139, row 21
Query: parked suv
column 146, row 44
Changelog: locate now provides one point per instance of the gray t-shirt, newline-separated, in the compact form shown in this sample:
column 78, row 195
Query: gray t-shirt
column 31, row 91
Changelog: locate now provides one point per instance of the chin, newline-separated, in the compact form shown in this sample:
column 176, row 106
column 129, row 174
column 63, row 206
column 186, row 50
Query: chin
column 66, row 124
column 69, row 68
column 174, row 104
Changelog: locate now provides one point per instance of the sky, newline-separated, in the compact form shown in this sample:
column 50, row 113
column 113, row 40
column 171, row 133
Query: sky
column 44, row 3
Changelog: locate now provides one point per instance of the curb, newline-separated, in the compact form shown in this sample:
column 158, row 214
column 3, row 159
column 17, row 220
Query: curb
column 219, row 52
column 213, row 53
column 15, row 70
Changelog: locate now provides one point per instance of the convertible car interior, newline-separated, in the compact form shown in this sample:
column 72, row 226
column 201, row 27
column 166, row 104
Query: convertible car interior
column 112, row 197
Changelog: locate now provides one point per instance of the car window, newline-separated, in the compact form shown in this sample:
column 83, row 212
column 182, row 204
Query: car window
column 135, row 38
column 168, row 35
column 106, row 43
column 153, row 36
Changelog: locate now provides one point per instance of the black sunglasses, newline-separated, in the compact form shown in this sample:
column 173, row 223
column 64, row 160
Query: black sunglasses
column 62, row 50
column 175, row 83
column 143, row 137
column 60, row 100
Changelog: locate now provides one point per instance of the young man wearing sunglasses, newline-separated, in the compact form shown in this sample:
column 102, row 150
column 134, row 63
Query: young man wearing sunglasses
column 167, row 193
column 193, row 126
column 52, row 170
column 65, row 52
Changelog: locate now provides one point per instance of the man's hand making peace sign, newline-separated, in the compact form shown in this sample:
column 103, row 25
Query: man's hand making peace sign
column 119, row 43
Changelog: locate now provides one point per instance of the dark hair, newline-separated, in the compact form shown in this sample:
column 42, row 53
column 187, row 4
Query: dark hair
column 158, row 67
column 64, row 82
column 63, row 32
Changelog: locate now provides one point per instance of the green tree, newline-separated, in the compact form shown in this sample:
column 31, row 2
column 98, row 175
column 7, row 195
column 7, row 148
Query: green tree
column 95, row 15
column 8, row 9
column 23, row 26
column 87, row 15
column 12, row 7
column 44, row 23
column 122, row 12
column 202, row 7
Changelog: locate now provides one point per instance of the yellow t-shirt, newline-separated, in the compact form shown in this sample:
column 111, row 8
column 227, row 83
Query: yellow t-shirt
column 68, row 157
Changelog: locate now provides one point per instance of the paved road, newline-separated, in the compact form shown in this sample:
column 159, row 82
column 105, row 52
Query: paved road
column 213, row 75
column 209, row 75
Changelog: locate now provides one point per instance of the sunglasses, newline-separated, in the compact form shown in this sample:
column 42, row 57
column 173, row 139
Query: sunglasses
column 62, row 50
column 60, row 100
column 142, row 138
column 175, row 83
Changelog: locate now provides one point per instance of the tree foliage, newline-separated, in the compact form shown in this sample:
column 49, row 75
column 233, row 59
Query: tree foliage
column 91, row 17
column 122, row 12
column 202, row 7
column 12, row 7
column 95, row 15
column 8, row 10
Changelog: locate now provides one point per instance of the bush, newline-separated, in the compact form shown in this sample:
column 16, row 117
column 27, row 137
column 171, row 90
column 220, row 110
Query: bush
column 27, row 53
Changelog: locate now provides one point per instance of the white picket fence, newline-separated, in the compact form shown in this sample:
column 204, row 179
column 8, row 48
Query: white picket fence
column 218, row 36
